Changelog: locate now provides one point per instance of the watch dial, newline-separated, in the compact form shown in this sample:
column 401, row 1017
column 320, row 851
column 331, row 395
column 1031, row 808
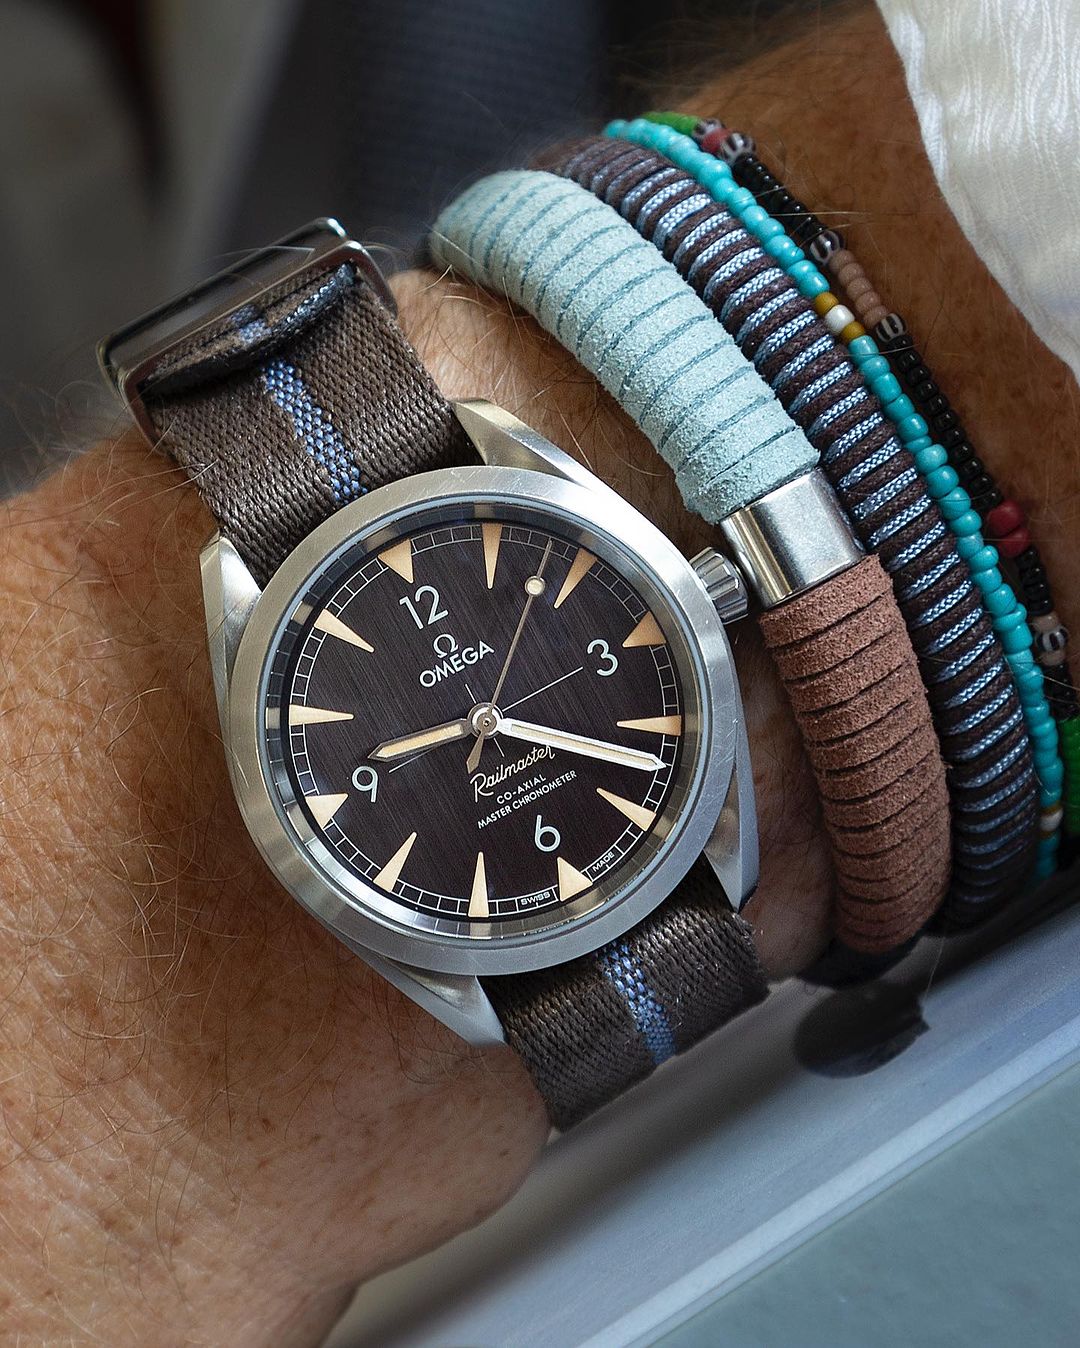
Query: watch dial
column 481, row 720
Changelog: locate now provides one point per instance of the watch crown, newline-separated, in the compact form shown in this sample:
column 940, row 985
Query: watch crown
column 723, row 583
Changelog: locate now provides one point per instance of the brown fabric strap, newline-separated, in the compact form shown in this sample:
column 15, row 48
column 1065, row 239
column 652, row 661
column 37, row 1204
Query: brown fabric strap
column 589, row 1029
column 288, row 410
column 843, row 653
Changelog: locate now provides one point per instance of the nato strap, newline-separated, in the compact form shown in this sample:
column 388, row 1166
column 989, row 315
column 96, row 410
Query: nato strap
column 589, row 1029
column 293, row 407
column 841, row 648
column 288, row 410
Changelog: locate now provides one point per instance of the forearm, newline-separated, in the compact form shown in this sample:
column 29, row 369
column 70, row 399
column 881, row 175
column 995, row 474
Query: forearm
column 216, row 1118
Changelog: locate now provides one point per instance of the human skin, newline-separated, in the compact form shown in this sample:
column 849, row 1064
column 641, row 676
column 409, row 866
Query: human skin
column 215, row 1120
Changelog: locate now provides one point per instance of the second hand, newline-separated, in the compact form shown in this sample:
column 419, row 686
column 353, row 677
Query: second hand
column 534, row 587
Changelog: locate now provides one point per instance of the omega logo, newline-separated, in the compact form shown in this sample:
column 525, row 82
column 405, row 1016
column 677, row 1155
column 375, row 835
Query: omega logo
column 453, row 659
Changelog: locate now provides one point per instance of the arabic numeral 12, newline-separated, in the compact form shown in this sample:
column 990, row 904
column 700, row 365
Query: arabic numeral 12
column 434, row 610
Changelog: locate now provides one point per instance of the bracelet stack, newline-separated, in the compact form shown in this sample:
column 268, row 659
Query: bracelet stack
column 756, row 354
column 1039, row 664
column 977, row 707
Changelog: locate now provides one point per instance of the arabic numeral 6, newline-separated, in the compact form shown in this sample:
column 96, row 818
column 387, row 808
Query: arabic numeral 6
column 546, row 837
column 366, row 781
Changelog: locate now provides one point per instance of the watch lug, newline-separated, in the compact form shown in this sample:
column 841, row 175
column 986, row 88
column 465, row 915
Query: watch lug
column 733, row 848
column 230, row 594
column 457, row 1000
column 505, row 442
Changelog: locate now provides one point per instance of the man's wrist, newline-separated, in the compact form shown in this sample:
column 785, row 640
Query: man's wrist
column 232, row 1109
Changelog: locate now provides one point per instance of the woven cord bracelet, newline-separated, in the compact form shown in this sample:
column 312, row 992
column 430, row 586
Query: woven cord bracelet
column 976, row 708
column 613, row 301
column 953, row 469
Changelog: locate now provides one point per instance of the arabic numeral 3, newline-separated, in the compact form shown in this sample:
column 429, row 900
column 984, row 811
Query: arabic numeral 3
column 608, row 662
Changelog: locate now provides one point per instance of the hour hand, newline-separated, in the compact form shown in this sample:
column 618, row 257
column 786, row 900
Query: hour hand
column 422, row 739
column 579, row 744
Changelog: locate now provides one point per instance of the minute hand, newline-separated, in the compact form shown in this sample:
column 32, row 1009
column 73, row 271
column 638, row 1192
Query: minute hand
column 579, row 744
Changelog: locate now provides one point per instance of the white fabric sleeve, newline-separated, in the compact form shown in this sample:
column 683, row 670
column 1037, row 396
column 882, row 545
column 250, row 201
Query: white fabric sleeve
column 996, row 85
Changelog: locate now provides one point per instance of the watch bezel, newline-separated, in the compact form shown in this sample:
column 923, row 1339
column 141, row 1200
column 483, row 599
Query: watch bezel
column 365, row 917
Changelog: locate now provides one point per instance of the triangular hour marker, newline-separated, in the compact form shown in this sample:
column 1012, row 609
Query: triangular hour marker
column 323, row 808
column 646, row 633
column 333, row 626
column 492, row 536
column 571, row 881
column 399, row 558
column 578, row 568
column 656, row 725
column 301, row 715
column 478, row 899
column 637, row 814
column 387, row 878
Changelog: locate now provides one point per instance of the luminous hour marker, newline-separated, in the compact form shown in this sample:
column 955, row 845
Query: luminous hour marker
column 578, row 567
column 571, row 881
column 492, row 536
column 399, row 558
column 387, row 878
column 301, row 715
column 323, row 808
column 334, row 627
column 478, row 899
column 656, row 725
column 646, row 633
column 637, row 814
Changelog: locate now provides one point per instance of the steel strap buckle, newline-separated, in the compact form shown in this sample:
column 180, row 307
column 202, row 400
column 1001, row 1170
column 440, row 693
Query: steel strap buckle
column 129, row 356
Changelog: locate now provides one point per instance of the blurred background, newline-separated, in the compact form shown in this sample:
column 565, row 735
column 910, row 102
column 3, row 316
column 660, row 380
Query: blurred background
column 145, row 142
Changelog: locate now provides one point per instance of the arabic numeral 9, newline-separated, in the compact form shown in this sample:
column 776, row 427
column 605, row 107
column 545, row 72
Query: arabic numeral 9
column 546, row 837
column 366, row 781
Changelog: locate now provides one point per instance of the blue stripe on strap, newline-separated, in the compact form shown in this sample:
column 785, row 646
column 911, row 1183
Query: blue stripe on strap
column 314, row 428
column 618, row 965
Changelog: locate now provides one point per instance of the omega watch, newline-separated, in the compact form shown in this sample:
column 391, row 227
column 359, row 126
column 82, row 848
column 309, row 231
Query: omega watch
column 480, row 716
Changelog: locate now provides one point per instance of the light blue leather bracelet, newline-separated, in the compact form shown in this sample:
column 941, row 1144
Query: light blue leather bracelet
column 606, row 294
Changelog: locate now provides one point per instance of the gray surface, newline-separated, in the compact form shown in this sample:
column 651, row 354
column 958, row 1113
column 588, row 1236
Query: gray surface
column 742, row 1152
column 977, row 1247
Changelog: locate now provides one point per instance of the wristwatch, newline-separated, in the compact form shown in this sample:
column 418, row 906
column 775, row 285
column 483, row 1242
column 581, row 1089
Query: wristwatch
column 480, row 716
